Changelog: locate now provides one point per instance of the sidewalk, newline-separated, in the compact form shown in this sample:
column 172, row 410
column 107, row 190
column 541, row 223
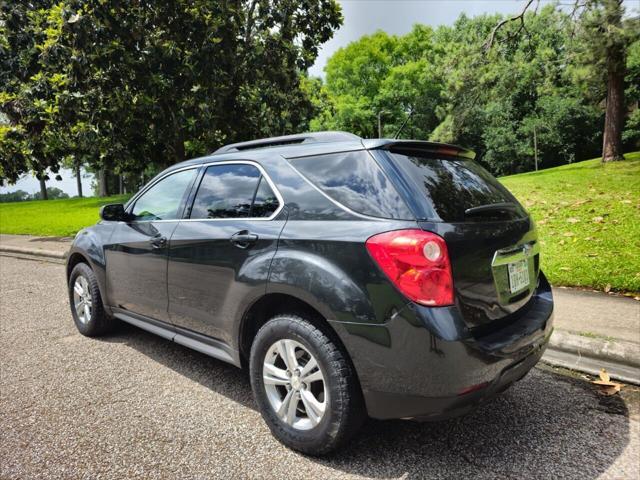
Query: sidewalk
column 53, row 248
column 592, row 330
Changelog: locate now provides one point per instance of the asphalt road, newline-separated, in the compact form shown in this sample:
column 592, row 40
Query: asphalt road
column 132, row 405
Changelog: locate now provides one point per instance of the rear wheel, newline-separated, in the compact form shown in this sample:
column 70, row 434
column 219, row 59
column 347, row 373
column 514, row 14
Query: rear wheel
column 86, row 302
column 304, row 385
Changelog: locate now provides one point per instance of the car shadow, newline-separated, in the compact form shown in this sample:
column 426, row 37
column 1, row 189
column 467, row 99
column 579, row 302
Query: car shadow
column 545, row 426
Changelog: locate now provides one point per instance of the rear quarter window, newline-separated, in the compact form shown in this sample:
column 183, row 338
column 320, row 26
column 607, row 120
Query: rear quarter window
column 354, row 180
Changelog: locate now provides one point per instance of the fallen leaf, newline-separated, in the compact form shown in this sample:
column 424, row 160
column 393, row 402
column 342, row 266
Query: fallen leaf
column 568, row 234
column 598, row 219
column 607, row 288
column 565, row 269
column 573, row 220
column 625, row 201
column 592, row 254
column 562, row 242
column 605, row 385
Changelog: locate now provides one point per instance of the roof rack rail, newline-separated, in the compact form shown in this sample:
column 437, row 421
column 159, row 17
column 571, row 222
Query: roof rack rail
column 311, row 137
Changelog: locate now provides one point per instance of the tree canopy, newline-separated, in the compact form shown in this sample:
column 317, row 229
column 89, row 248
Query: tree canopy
column 128, row 85
column 546, row 88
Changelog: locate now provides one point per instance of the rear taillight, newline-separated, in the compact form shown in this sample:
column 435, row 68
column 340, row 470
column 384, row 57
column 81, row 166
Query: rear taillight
column 417, row 262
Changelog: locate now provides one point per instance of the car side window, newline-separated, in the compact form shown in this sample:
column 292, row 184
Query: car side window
column 355, row 180
column 265, row 202
column 162, row 201
column 233, row 191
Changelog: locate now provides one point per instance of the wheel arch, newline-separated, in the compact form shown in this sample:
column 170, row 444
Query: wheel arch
column 74, row 259
column 273, row 304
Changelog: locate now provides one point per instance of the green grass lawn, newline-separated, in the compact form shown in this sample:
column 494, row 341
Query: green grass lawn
column 52, row 217
column 588, row 218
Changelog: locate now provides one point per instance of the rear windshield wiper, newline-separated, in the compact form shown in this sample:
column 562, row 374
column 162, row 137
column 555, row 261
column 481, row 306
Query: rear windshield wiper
column 491, row 207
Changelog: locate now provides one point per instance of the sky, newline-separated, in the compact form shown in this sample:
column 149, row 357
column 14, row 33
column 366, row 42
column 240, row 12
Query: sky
column 361, row 17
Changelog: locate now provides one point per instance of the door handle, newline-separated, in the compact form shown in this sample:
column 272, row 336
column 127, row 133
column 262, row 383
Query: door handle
column 243, row 239
column 158, row 241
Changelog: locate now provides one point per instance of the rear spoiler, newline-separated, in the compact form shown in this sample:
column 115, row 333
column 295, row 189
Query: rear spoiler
column 420, row 146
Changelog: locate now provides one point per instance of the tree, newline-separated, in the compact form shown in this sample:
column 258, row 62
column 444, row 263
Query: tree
column 355, row 74
column 631, row 133
column 17, row 196
column 604, row 37
column 52, row 193
column 25, row 100
column 132, row 87
column 382, row 78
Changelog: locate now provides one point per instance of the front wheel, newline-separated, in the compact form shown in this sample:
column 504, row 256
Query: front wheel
column 304, row 385
column 86, row 302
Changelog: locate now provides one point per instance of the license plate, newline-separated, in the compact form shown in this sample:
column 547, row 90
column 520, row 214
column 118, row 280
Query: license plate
column 518, row 275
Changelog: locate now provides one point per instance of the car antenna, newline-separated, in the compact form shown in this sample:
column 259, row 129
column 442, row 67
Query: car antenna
column 403, row 125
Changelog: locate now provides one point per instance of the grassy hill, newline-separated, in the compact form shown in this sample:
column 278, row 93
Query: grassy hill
column 588, row 217
column 52, row 217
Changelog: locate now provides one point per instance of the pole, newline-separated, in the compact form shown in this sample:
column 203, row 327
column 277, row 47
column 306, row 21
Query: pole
column 535, row 146
column 380, row 124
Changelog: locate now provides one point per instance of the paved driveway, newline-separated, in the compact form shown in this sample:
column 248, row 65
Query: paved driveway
column 132, row 405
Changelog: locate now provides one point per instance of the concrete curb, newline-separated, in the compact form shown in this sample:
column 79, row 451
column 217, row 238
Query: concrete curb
column 32, row 252
column 619, row 357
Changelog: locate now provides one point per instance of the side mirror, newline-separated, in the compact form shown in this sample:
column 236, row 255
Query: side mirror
column 113, row 212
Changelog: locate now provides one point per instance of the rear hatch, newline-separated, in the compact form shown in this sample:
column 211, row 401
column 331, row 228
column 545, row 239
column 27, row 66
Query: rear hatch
column 492, row 241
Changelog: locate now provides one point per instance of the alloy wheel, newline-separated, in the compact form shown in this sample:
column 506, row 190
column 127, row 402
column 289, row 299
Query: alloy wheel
column 82, row 300
column 295, row 385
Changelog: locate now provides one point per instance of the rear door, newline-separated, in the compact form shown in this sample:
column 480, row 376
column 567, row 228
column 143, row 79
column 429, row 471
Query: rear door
column 136, row 258
column 219, row 256
column 491, row 239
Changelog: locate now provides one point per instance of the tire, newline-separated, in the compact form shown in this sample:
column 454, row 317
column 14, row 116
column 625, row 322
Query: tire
column 93, row 321
column 309, row 429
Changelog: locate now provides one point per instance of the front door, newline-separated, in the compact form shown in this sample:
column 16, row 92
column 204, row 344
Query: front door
column 219, row 258
column 136, row 257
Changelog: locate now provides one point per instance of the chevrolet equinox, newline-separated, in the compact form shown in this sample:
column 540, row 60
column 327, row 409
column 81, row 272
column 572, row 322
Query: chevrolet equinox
column 353, row 278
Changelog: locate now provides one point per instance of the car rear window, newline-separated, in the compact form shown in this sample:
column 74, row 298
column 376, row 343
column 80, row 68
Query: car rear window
column 454, row 185
column 354, row 180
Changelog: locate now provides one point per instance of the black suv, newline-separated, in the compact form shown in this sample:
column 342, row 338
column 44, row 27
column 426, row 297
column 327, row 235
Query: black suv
column 354, row 278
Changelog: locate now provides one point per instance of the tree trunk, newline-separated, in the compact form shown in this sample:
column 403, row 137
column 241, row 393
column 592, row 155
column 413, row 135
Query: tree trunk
column 103, row 187
column 614, row 114
column 43, row 188
column 79, row 181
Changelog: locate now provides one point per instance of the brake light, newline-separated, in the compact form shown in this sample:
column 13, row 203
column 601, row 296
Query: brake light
column 417, row 262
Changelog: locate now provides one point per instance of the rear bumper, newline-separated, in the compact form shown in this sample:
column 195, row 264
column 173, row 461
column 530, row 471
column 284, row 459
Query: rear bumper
column 424, row 363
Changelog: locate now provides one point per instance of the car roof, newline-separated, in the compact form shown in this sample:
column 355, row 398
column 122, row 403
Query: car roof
column 317, row 143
